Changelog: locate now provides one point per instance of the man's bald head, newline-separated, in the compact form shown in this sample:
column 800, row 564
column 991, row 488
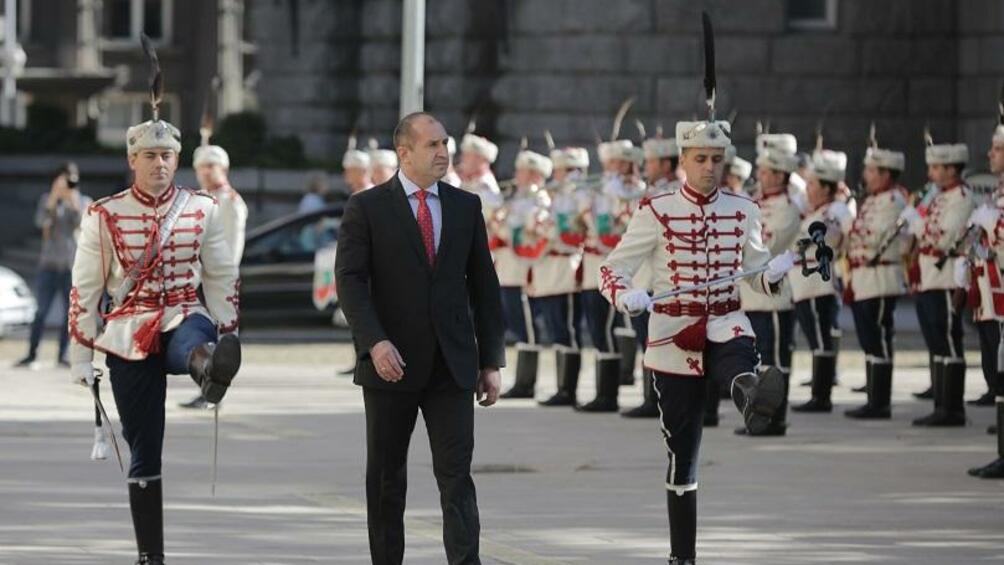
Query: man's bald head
column 406, row 130
column 421, row 144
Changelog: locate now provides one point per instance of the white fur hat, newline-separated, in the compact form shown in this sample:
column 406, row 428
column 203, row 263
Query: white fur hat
column 570, row 158
column 633, row 154
column 998, row 135
column 778, row 160
column 451, row 146
column 660, row 148
column 947, row 154
column 830, row 165
column 383, row 158
column 153, row 135
column 704, row 134
column 783, row 141
column 479, row 146
column 211, row 155
column 740, row 167
column 355, row 159
column 730, row 153
column 607, row 150
column 534, row 162
column 885, row 158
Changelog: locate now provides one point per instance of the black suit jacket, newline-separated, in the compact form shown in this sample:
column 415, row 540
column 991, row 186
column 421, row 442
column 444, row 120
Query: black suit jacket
column 388, row 290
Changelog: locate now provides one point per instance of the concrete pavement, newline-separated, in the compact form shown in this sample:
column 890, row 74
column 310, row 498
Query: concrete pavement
column 555, row 487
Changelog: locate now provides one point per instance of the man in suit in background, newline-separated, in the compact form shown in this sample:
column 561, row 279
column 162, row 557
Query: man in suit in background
column 418, row 288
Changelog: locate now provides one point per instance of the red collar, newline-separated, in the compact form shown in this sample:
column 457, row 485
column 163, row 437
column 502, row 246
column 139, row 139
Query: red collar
column 147, row 200
column 696, row 197
column 781, row 190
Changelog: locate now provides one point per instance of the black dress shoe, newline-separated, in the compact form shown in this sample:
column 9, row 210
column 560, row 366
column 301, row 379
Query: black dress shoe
column 869, row 412
column 198, row 403
column 773, row 429
column 26, row 362
column 986, row 400
column 814, row 406
column 645, row 410
column 862, row 388
column 994, row 470
column 560, row 398
column 926, row 395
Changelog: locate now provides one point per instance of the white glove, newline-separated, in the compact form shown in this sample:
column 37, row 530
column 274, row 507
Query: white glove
column 634, row 301
column 961, row 273
column 911, row 216
column 985, row 217
column 779, row 266
column 82, row 373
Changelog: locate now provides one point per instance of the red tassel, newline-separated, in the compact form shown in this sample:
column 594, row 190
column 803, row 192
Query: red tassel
column 973, row 296
column 610, row 241
column 848, row 294
column 147, row 337
column 694, row 336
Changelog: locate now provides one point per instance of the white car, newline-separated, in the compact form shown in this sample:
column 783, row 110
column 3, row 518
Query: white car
column 17, row 303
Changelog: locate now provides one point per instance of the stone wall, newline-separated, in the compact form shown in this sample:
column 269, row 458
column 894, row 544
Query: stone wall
column 565, row 65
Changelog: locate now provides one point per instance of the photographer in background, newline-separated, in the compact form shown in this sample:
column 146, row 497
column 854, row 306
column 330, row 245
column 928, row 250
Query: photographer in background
column 58, row 216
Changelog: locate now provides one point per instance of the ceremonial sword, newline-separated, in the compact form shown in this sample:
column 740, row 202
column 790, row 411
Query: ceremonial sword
column 104, row 416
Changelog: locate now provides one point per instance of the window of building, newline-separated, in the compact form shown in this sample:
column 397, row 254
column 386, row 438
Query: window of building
column 23, row 25
column 811, row 14
column 126, row 19
column 125, row 109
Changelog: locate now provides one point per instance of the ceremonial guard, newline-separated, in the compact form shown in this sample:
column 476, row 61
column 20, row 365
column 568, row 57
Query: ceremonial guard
column 737, row 172
column 451, row 177
column 476, row 157
column 356, row 168
column 990, row 219
column 940, row 316
column 816, row 300
column 513, row 247
column 691, row 236
column 874, row 256
column 212, row 165
column 608, row 212
column 772, row 316
column 150, row 247
column 553, row 283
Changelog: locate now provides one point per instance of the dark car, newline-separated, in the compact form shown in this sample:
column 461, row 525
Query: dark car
column 277, row 271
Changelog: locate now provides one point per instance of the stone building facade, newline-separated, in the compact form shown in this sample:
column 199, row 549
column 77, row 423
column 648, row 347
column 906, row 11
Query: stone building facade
column 565, row 65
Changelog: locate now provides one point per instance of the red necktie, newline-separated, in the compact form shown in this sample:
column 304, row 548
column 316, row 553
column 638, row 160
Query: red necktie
column 425, row 225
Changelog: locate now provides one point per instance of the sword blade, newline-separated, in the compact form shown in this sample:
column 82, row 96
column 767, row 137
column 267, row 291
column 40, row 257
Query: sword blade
column 708, row 284
column 108, row 422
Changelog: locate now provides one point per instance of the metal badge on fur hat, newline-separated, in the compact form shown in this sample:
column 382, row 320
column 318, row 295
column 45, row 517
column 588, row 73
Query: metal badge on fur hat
column 479, row 146
column 570, row 158
column 660, row 148
column 211, row 155
column 534, row 162
column 777, row 160
column 155, row 133
column 829, row 165
column 785, row 142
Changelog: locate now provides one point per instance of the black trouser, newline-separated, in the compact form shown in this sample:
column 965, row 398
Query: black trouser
column 990, row 338
column 601, row 319
column 640, row 325
column 941, row 324
column 518, row 315
column 873, row 321
column 818, row 319
column 562, row 314
column 774, row 333
column 140, row 388
column 682, row 401
column 448, row 411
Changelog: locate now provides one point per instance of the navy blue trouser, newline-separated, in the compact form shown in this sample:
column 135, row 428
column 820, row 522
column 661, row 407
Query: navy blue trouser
column 601, row 319
column 873, row 321
column 140, row 388
column 941, row 324
column 818, row 319
column 562, row 314
column 518, row 312
column 50, row 285
column 682, row 401
column 774, row 334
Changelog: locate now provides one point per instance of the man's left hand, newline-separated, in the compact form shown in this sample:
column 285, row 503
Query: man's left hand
column 488, row 387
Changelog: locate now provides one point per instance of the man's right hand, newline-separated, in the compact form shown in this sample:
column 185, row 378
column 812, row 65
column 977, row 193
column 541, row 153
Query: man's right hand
column 387, row 361
column 82, row 373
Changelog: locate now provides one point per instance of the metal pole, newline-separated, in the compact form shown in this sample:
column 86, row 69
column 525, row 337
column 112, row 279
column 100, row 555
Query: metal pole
column 413, row 57
column 9, row 48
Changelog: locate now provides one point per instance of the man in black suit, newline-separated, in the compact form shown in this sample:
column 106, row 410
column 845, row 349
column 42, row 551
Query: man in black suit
column 418, row 288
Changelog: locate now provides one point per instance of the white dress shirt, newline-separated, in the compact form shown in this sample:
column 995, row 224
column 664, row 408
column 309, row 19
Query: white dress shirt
column 435, row 206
